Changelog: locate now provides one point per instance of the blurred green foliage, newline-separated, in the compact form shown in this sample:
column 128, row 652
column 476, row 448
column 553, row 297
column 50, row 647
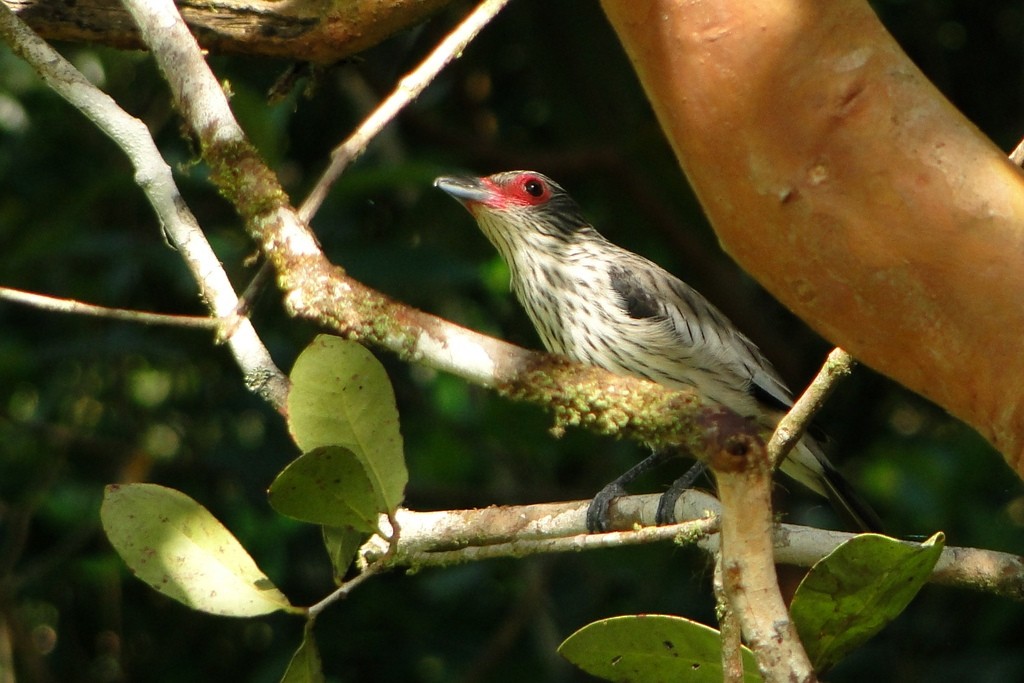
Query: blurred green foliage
column 86, row 402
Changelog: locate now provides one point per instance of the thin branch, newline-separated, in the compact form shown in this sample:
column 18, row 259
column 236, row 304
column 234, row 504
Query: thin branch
column 681, row 533
column 382, row 563
column 344, row 589
column 792, row 426
column 155, row 178
column 408, row 89
column 59, row 305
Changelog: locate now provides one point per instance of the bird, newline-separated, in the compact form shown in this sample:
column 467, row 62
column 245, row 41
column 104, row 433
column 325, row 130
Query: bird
column 599, row 304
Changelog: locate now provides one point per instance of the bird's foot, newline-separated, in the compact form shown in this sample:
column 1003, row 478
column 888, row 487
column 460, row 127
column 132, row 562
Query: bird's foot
column 599, row 511
column 598, row 514
column 666, row 513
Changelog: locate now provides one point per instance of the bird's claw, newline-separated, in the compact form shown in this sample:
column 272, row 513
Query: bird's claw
column 599, row 511
column 666, row 513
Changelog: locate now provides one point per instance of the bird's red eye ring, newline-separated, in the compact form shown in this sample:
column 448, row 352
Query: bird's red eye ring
column 534, row 187
column 531, row 189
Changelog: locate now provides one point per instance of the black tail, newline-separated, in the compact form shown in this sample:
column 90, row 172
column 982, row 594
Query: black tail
column 846, row 501
column 808, row 465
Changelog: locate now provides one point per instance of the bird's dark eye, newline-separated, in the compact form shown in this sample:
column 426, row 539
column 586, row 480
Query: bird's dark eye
column 534, row 187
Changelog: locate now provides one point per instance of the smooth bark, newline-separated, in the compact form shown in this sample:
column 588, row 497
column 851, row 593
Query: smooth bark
column 838, row 176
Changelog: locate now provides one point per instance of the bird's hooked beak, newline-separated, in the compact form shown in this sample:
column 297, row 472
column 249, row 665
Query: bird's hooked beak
column 466, row 190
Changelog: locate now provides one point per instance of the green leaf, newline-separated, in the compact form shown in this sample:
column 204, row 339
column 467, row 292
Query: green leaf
column 329, row 485
column 861, row 586
column 176, row 546
column 651, row 647
column 341, row 396
column 342, row 544
column 305, row 666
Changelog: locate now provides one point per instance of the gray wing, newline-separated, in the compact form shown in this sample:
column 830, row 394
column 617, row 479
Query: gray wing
column 707, row 338
column 700, row 330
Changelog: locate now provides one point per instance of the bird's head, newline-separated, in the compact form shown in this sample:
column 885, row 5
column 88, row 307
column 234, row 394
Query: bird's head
column 522, row 207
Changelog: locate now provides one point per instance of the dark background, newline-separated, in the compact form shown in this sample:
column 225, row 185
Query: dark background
column 85, row 402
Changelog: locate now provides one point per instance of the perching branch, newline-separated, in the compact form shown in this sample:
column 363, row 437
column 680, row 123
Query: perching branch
column 521, row 545
column 446, row 537
column 456, row 536
column 157, row 182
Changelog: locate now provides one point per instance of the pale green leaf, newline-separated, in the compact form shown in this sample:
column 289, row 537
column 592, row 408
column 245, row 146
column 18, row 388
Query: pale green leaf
column 341, row 396
column 652, row 648
column 305, row 666
column 342, row 543
column 176, row 546
column 329, row 485
column 856, row 590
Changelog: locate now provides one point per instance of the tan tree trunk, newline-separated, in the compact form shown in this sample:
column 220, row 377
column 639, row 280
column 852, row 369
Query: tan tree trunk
column 838, row 176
